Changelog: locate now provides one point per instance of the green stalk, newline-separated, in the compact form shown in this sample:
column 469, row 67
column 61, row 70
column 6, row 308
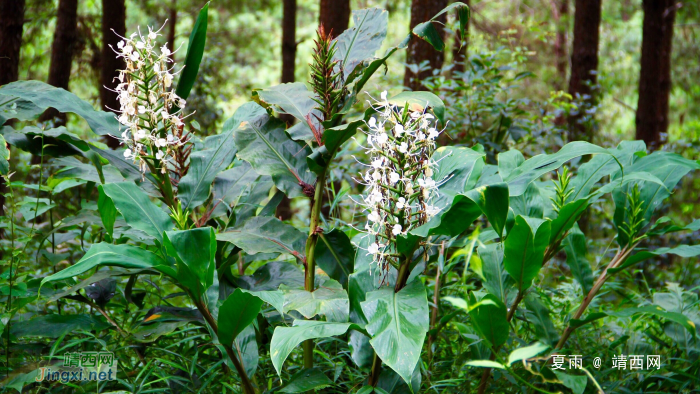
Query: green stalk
column 310, row 268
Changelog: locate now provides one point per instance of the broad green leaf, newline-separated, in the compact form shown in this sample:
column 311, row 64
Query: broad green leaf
column 575, row 247
column 212, row 157
column 360, row 42
column 195, row 52
column 195, row 252
column 664, row 226
column 262, row 142
column 105, row 254
column 329, row 299
column 286, row 339
column 521, row 176
column 55, row 326
column 46, row 96
column 567, row 218
column 420, row 102
column 270, row 276
column 272, row 297
column 540, row 317
column 335, row 255
column 526, row 352
column 485, row 364
column 398, row 323
column 18, row 380
column 391, row 383
column 56, row 142
column 489, row 318
column 236, row 313
column 296, row 100
column 4, row 157
column 360, row 349
column 428, row 32
column 151, row 332
column 681, row 250
column 137, row 209
column 591, row 317
column 458, row 168
column 239, row 191
column 306, row 380
column 246, row 347
column 333, row 138
column 16, row 108
column 490, row 269
column 508, row 161
column 577, row 384
column 660, row 312
column 524, row 249
column 266, row 235
column 108, row 212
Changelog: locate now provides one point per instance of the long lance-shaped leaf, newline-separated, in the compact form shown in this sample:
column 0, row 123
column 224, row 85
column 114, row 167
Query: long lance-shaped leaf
column 361, row 41
column 205, row 164
column 524, row 249
column 398, row 323
column 266, row 235
column 46, row 96
column 194, row 250
column 195, row 52
column 490, row 318
column 105, row 254
column 262, row 142
column 137, row 209
column 236, row 313
column 575, row 247
column 686, row 251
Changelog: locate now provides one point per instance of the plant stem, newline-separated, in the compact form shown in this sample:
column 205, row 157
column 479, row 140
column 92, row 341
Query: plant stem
column 376, row 370
column 511, row 311
column 246, row 384
column 436, row 305
column 309, row 275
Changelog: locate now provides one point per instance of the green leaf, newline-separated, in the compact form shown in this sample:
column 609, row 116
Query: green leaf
column 491, row 270
column 398, row 323
column 682, row 251
column 270, row 276
column 568, row 216
column 335, row 255
column 246, row 347
column 262, row 142
column 46, row 96
column 664, row 226
column 521, row 176
column 485, row 364
column 105, row 254
column 194, row 251
column 575, row 247
column 214, row 156
column 236, row 313
column 108, row 212
column 540, row 317
column 526, row 352
column 306, row 380
column 419, row 101
column 430, row 34
column 660, row 312
column 137, row 209
column 531, row 203
column 524, row 249
column 329, row 299
column 286, row 339
column 56, row 142
column 489, row 318
column 195, row 52
column 591, row 317
column 272, row 297
column 16, row 108
column 239, row 191
column 55, row 326
column 296, row 100
column 266, row 235
column 577, row 384
column 360, row 42
column 333, row 138
column 4, row 157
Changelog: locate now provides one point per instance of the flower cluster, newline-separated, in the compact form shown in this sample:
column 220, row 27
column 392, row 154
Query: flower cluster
column 399, row 178
column 149, row 108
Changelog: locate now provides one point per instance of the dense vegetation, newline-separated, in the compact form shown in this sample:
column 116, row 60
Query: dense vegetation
column 456, row 231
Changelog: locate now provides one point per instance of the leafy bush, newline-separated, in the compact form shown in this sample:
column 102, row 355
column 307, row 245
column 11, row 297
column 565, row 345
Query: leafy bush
column 446, row 268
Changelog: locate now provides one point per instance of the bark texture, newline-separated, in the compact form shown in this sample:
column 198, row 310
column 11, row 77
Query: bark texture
column 419, row 50
column 113, row 26
column 63, row 48
column 584, row 61
column 655, row 74
column 334, row 16
column 561, row 16
column 289, row 44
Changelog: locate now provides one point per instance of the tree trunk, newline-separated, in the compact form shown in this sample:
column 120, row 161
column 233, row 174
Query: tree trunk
column 289, row 44
column 65, row 38
column 418, row 50
column 560, row 42
column 584, row 62
column 11, row 25
column 460, row 49
column 113, row 26
column 334, row 16
column 172, row 28
column 655, row 73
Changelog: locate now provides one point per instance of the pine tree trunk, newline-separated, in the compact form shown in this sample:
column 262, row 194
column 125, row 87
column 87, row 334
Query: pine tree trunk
column 335, row 16
column 11, row 26
column 64, row 41
column 460, row 52
column 560, row 41
column 172, row 29
column 584, row 61
column 113, row 26
column 418, row 50
column 655, row 74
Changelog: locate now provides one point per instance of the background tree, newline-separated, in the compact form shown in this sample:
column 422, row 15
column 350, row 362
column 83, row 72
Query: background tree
column 560, row 12
column 113, row 26
column 334, row 16
column 655, row 72
column 62, row 51
column 584, row 63
column 289, row 45
column 420, row 51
